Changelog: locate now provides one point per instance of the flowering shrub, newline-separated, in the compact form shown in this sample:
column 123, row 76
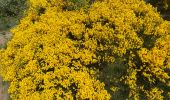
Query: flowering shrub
column 163, row 7
column 58, row 53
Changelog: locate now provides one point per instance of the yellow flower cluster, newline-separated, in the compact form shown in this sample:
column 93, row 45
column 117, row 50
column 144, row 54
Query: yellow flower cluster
column 56, row 52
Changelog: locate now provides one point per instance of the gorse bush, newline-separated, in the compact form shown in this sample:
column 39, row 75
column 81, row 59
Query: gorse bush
column 163, row 7
column 62, row 53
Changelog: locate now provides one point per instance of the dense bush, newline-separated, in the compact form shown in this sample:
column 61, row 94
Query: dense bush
column 163, row 7
column 62, row 53
column 11, row 7
column 10, row 12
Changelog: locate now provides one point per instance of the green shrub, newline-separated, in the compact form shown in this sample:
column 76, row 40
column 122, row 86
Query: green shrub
column 10, row 12
column 95, row 52
column 12, row 7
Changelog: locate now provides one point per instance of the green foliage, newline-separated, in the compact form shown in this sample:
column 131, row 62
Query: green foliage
column 10, row 12
column 109, row 48
column 12, row 7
